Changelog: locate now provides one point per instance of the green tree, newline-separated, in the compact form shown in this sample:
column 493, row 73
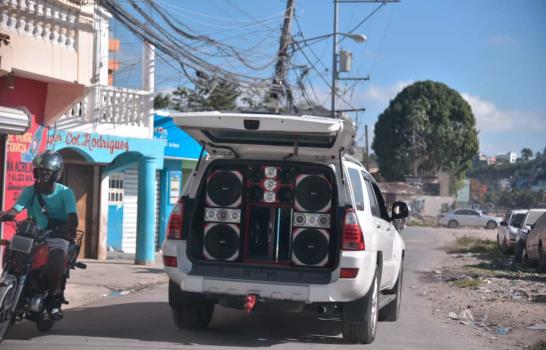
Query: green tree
column 526, row 153
column 207, row 95
column 162, row 101
column 428, row 127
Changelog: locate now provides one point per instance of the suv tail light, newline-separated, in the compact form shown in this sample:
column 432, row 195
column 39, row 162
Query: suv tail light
column 174, row 228
column 353, row 239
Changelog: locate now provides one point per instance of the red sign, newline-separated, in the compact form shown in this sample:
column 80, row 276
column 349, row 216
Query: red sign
column 20, row 151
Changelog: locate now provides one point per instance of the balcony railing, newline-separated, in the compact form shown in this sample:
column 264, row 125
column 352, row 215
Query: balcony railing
column 110, row 105
column 52, row 21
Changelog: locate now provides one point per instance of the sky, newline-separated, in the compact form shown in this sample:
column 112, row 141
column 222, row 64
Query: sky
column 493, row 52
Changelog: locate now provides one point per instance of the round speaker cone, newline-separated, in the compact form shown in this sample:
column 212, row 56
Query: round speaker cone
column 310, row 246
column 224, row 188
column 221, row 241
column 313, row 193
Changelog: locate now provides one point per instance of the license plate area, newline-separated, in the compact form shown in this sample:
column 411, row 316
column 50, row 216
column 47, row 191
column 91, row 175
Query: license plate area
column 21, row 244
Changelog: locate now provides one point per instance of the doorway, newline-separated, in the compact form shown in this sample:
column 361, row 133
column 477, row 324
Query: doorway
column 83, row 178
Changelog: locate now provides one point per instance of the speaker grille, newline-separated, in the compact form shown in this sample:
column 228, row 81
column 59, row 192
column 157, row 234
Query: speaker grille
column 221, row 242
column 310, row 247
column 224, row 188
column 313, row 193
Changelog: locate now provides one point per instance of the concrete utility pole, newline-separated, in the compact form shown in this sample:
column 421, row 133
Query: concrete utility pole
column 334, row 62
column 281, row 68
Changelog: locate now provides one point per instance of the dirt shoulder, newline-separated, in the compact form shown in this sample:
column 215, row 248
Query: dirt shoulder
column 479, row 288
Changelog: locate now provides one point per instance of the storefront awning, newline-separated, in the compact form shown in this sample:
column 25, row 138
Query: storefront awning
column 13, row 120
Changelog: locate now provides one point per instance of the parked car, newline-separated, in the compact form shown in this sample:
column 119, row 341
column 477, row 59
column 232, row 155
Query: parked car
column 277, row 217
column 521, row 237
column 468, row 217
column 535, row 244
column 506, row 236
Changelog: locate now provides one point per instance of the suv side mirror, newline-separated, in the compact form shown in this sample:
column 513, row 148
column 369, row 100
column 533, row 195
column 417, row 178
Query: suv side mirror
column 503, row 223
column 399, row 210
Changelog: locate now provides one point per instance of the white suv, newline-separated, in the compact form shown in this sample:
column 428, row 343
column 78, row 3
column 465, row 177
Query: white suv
column 279, row 217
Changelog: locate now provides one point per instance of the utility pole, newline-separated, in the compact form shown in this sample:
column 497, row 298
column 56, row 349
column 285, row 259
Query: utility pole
column 334, row 62
column 278, row 90
column 367, row 159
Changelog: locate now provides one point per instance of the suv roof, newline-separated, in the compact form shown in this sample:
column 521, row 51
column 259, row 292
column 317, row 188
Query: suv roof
column 225, row 134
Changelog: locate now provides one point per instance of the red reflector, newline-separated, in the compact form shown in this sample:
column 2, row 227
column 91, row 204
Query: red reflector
column 347, row 272
column 4, row 242
column 170, row 261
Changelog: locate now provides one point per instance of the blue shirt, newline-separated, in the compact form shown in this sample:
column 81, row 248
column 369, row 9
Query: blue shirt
column 59, row 204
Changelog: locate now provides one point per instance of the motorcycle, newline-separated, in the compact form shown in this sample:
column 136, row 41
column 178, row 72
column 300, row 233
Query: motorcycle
column 24, row 282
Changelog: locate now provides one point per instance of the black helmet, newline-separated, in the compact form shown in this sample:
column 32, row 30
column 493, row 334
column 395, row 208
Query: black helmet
column 51, row 161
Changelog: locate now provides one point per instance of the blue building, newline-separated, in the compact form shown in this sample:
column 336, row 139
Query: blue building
column 180, row 154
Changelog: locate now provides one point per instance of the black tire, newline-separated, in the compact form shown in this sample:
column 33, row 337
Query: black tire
column 525, row 258
column 5, row 314
column 364, row 332
column 541, row 258
column 190, row 310
column 452, row 224
column 518, row 251
column 504, row 247
column 44, row 325
column 391, row 311
column 491, row 225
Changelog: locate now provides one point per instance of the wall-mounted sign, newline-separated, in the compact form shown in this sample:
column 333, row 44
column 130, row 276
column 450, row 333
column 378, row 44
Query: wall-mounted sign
column 177, row 143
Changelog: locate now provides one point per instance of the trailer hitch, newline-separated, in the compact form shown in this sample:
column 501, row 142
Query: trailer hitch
column 250, row 302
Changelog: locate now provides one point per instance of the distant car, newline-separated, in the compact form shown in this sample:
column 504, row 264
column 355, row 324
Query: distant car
column 521, row 237
column 468, row 217
column 535, row 245
column 508, row 229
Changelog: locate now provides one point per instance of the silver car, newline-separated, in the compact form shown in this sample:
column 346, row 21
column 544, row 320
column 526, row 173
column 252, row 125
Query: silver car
column 521, row 237
column 535, row 247
column 508, row 229
column 468, row 217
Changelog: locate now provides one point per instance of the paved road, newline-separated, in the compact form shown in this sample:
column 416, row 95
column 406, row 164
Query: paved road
column 142, row 321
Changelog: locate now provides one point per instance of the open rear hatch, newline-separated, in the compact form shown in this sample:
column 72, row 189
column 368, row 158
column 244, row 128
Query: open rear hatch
column 240, row 135
column 255, row 209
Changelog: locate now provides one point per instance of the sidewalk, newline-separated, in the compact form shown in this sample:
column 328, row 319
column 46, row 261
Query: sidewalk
column 111, row 278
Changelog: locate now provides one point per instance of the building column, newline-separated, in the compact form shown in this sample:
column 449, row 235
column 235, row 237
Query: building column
column 145, row 212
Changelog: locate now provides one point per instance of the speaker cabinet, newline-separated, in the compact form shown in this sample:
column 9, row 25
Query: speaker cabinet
column 310, row 247
column 224, row 189
column 313, row 193
column 221, row 241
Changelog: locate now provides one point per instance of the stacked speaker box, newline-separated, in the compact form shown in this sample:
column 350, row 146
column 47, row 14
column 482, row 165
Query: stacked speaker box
column 311, row 220
column 223, row 215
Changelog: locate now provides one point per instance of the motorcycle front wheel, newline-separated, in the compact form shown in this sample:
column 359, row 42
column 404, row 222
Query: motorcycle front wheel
column 7, row 293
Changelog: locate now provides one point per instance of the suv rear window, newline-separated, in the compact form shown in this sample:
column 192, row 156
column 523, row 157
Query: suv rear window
column 356, row 184
column 270, row 138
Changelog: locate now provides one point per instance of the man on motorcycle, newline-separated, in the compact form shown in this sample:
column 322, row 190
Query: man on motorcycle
column 53, row 206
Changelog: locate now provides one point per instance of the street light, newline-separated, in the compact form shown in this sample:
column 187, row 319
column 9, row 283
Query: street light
column 358, row 38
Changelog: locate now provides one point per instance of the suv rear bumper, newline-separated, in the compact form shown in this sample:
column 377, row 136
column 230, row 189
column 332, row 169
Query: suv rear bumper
column 338, row 290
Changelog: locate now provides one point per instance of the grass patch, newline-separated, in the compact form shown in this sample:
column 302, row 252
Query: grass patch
column 471, row 283
column 467, row 244
column 540, row 345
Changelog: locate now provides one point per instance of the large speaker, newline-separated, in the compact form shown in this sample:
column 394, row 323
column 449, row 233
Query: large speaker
column 221, row 241
column 224, row 189
column 310, row 247
column 313, row 193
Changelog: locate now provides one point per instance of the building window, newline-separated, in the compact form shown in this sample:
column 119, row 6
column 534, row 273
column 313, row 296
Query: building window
column 115, row 190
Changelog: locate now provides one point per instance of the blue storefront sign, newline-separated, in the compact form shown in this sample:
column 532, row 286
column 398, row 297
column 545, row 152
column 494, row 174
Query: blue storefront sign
column 178, row 144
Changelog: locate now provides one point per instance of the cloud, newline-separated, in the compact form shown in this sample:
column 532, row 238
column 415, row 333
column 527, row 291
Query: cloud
column 383, row 94
column 490, row 118
column 502, row 40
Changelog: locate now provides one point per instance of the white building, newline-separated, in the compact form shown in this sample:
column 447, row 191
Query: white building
column 509, row 157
